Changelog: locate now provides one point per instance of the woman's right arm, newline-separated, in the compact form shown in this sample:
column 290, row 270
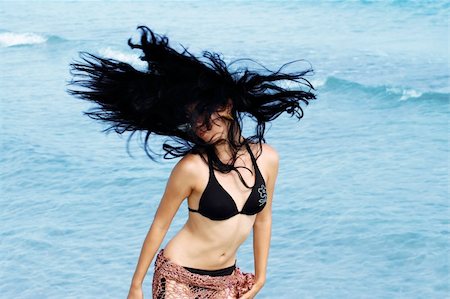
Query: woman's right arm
column 179, row 186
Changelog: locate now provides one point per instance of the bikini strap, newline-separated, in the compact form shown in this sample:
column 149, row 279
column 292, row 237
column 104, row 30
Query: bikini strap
column 251, row 154
column 211, row 172
column 255, row 165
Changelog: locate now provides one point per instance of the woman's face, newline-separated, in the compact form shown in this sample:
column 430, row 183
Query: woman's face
column 218, row 130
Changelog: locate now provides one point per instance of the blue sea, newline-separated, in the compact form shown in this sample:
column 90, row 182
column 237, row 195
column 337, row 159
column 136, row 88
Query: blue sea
column 361, row 206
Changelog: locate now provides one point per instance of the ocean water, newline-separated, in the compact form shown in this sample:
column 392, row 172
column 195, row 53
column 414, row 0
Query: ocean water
column 361, row 206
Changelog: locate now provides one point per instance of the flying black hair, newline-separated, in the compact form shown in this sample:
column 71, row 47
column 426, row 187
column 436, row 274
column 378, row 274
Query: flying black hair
column 177, row 90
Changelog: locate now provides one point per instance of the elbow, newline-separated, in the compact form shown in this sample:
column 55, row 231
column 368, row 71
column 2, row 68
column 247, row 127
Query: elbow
column 261, row 223
column 160, row 227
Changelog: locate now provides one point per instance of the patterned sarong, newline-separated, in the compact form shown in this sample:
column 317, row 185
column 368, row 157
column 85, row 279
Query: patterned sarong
column 172, row 281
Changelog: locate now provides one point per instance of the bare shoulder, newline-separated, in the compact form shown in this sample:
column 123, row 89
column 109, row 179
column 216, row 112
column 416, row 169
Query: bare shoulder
column 188, row 165
column 272, row 160
column 185, row 176
column 269, row 158
column 270, row 153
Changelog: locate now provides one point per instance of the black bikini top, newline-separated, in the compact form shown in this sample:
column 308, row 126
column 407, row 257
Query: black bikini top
column 217, row 204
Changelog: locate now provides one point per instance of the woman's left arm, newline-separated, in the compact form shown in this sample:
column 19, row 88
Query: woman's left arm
column 262, row 227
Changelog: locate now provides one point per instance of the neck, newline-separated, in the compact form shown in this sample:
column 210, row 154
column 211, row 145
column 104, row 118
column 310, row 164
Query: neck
column 224, row 150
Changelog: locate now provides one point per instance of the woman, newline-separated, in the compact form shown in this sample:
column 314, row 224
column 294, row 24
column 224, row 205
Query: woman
column 200, row 106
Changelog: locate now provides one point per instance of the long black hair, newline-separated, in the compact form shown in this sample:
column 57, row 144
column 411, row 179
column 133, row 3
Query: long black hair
column 177, row 89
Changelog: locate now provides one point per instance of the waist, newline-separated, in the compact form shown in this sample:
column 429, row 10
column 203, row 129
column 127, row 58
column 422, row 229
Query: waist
column 202, row 249
column 217, row 272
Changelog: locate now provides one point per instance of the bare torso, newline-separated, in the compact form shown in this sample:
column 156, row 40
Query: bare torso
column 207, row 244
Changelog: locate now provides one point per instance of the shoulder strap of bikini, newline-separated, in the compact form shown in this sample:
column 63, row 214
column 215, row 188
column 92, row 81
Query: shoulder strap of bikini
column 251, row 153
column 209, row 163
column 258, row 172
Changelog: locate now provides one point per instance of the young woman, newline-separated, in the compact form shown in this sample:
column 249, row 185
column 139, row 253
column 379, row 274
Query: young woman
column 227, row 179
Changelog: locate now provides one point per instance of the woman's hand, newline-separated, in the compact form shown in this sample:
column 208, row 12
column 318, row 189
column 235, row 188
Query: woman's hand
column 135, row 293
column 252, row 292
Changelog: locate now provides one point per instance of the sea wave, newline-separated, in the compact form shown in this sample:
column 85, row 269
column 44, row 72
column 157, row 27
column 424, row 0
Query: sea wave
column 401, row 93
column 14, row 39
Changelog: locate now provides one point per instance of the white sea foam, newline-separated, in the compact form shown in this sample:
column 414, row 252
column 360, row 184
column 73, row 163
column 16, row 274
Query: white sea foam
column 318, row 82
column 406, row 93
column 8, row 39
column 410, row 93
column 132, row 59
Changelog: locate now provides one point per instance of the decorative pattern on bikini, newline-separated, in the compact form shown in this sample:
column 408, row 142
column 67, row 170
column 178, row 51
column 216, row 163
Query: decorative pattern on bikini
column 262, row 194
